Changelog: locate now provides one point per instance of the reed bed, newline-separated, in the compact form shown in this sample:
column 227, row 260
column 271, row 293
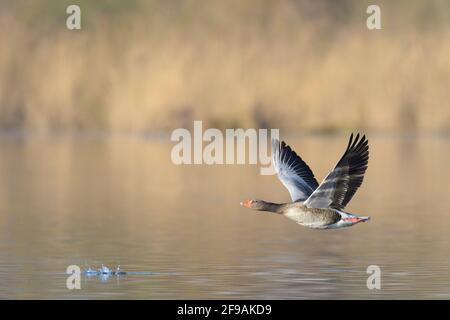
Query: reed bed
column 159, row 65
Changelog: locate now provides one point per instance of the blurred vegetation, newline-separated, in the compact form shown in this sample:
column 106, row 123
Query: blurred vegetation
column 157, row 65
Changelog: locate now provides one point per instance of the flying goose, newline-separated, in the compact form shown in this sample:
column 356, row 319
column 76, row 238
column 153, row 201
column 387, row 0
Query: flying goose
column 313, row 205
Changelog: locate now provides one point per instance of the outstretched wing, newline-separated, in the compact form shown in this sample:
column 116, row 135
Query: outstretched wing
column 340, row 185
column 293, row 172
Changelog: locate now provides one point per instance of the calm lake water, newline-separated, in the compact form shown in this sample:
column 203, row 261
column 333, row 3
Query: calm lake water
column 91, row 200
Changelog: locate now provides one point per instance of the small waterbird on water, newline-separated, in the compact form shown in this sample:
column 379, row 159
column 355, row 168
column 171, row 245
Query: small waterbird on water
column 313, row 205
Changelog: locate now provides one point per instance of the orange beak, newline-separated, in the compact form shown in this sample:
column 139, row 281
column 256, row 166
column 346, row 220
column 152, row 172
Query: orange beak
column 246, row 203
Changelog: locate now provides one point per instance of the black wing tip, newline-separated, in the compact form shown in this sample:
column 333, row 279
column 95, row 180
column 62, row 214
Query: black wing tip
column 285, row 148
column 358, row 143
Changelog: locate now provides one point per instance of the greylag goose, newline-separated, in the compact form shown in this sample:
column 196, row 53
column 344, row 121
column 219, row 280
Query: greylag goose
column 313, row 205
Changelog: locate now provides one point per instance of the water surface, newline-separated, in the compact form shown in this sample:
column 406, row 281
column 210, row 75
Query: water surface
column 96, row 200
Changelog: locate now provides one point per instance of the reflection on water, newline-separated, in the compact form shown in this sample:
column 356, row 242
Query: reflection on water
column 93, row 201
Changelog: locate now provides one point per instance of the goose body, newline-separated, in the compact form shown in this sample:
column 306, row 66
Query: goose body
column 312, row 217
column 313, row 205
